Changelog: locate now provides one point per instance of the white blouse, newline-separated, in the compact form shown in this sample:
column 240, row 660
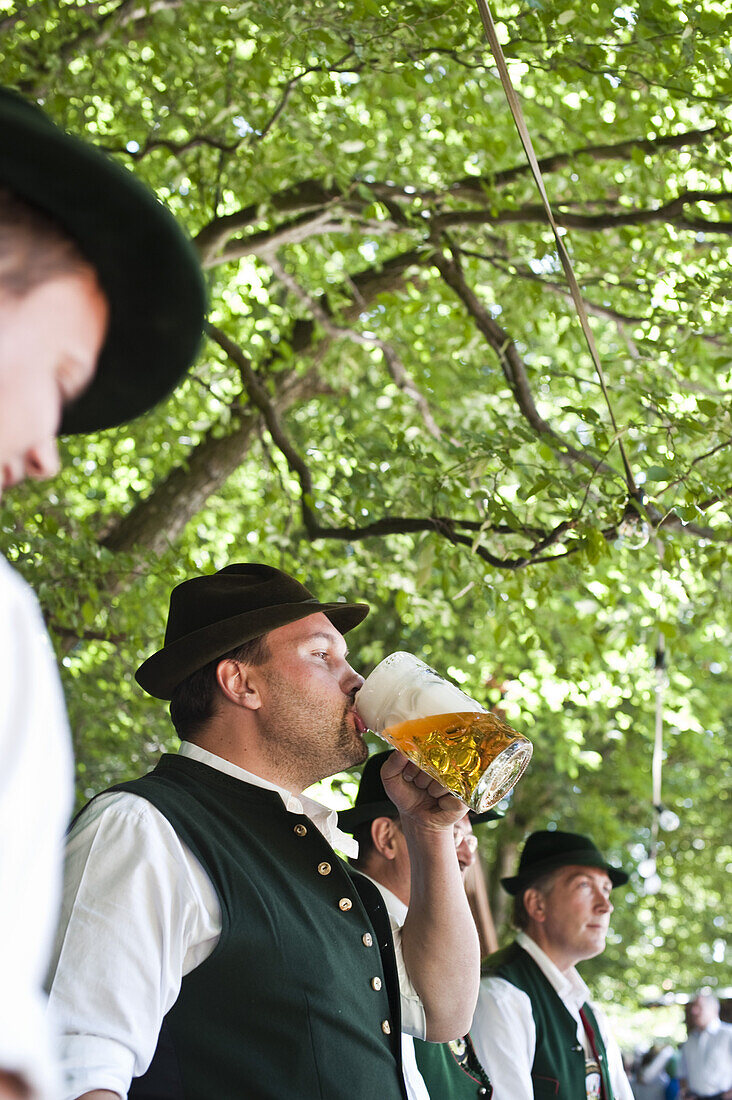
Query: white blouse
column 36, row 790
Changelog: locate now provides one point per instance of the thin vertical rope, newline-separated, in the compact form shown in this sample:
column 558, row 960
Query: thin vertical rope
column 518, row 117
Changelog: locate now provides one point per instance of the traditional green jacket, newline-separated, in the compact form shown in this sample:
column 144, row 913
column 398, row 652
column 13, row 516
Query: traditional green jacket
column 451, row 1071
column 559, row 1060
column 300, row 997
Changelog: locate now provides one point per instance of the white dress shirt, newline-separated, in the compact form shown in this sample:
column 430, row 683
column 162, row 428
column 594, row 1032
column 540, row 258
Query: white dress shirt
column 504, row 1033
column 36, row 789
column 706, row 1059
column 413, row 1079
column 138, row 914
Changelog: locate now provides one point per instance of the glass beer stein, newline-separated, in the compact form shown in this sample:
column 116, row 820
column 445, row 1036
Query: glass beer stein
column 441, row 729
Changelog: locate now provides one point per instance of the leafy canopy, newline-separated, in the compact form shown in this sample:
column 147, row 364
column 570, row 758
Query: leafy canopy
column 394, row 400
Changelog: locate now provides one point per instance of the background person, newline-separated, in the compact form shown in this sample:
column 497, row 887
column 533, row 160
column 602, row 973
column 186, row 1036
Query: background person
column 431, row 1070
column 101, row 311
column 706, row 1056
column 535, row 1030
column 652, row 1078
column 212, row 942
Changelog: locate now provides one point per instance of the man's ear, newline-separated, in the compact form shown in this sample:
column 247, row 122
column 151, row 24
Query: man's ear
column 236, row 681
column 535, row 904
column 383, row 836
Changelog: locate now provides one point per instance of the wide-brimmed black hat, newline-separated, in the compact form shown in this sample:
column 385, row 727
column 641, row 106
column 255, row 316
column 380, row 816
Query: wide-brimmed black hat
column 146, row 266
column 210, row 615
column 372, row 800
column 548, row 850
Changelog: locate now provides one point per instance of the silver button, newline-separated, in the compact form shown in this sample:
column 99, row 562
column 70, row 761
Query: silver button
column 376, row 984
column 345, row 904
column 323, row 868
column 386, row 1027
column 367, row 939
column 300, row 830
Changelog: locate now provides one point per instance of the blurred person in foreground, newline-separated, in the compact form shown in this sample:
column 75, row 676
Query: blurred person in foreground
column 101, row 312
column 212, row 942
column 706, row 1056
column 432, row 1071
column 535, row 1030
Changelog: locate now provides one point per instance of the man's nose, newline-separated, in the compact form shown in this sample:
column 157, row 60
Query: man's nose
column 604, row 904
column 42, row 460
column 351, row 681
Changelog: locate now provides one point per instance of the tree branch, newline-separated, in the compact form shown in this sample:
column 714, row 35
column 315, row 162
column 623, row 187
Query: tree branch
column 671, row 212
column 443, row 526
column 478, row 186
column 195, row 141
column 513, row 366
column 620, row 150
column 394, row 364
column 309, row 195
column 156, row 521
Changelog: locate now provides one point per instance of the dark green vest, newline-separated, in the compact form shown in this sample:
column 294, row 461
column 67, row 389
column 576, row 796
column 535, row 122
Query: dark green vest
column 559, row 1061
column 295, row 1000
column 451, row 1071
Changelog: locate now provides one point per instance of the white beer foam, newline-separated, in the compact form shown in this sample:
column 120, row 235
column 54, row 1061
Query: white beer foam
column 402, row 687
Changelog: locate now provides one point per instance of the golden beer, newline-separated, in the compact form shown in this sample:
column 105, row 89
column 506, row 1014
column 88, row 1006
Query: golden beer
column 442, row 730
column 473, row 753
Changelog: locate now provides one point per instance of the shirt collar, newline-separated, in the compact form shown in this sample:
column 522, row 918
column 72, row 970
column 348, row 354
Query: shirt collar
column 324, row 819
column 569, row 987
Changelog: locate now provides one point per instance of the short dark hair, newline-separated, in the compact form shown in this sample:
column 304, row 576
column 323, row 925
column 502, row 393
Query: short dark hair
column 543, row 884
column 34, row 248
column 193, row 700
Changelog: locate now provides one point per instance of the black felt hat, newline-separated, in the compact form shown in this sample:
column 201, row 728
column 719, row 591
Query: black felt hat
column 212, row 614
column 548, row 850
column 146, row 266
column 372, row 800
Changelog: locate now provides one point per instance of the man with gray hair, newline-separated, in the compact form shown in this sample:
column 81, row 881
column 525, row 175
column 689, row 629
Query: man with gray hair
column 706, row 1056
column 534, row 1030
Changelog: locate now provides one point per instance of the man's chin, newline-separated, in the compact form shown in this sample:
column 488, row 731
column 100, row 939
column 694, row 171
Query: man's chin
column 354, row 730
column 595, row 945
column 360, row 750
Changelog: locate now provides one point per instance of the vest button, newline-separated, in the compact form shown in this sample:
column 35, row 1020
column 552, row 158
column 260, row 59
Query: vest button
column 367, row 939
column 376, row 984
column 482, row 1091
column 300, row 830
column 386, row 1027
column 323, row 868
column 345, row 904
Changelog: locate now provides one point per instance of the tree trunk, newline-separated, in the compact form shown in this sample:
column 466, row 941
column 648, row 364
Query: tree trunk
column 157, row 521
